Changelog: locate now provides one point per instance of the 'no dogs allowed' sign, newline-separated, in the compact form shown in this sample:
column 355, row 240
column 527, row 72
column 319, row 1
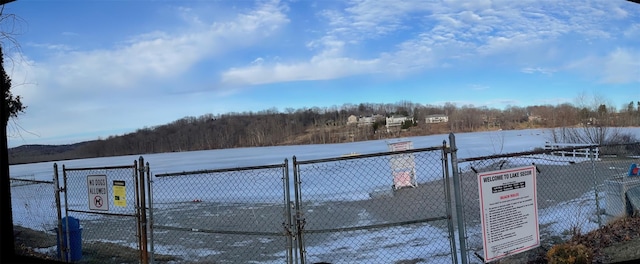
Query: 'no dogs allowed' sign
column 98, row 192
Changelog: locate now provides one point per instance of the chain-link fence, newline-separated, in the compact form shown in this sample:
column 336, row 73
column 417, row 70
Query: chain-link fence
column 576, row 193
column 101, row 214
column 34, row 230
column 388, row 207
column 239, row 215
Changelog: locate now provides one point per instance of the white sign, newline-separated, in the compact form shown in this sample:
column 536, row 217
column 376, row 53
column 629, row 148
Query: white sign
column 508, row 204
column 402, row 145
column 98, row 192
column 403, row 166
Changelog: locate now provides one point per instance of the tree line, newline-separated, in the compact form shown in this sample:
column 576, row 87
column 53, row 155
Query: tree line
column 318, row 125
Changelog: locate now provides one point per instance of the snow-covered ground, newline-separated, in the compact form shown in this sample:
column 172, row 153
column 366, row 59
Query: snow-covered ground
column 33, row 205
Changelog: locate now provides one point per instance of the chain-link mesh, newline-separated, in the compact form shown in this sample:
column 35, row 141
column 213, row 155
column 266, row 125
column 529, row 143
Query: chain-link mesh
column 352, row 209
column 33, row 201
column 105, row 201
column 223, row 216
column 578, row 190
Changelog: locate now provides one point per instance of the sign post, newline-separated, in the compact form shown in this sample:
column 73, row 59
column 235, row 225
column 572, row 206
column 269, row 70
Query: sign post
column 97, row 190
column 508, row 204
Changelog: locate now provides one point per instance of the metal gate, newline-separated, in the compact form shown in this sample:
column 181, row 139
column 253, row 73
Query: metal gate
column 232, row 215
column 350, row 209
column 107, row 203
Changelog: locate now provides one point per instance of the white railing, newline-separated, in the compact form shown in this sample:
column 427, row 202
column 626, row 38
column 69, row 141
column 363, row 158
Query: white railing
column 575, row 152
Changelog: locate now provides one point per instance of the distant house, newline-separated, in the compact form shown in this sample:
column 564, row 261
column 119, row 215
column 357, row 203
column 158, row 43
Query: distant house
column 352, row 120
column 363, row 120
column 534, row 118
column 368, row 120
column 395, row 122
column 434, row 119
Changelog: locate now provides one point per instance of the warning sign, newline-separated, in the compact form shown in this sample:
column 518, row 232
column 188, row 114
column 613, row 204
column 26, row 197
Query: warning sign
column 403, row 166
column 119, row 193
column 97, row 190
column 509, row 209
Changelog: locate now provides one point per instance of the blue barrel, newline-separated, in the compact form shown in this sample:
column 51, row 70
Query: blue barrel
column 75, row 238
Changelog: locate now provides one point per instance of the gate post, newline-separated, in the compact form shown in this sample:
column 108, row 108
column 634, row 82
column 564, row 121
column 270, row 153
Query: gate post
column 300, row 221
column 447, row 194
column 66, row 211
column 457, row 189
column 57, row 191
column 151, row 249
column 142, row 208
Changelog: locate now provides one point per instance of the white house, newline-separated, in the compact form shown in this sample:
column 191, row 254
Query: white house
column 368, row 120
column 363, row 120
column 396, row 122
column 433, row 119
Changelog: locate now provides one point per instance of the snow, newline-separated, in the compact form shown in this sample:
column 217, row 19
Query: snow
column 35, row 211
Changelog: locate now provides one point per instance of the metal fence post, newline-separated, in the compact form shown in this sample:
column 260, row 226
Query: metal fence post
column 57, row 190
column 595, row 184
column 149, row 191
column 299, row 218
column 65, row 248
column 457, row 189
column 447, row 191
column 144, row 254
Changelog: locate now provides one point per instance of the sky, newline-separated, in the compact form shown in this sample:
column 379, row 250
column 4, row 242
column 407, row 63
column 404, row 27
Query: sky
column 92, row 69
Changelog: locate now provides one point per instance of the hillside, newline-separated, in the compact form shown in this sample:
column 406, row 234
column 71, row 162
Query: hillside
column 32, row 153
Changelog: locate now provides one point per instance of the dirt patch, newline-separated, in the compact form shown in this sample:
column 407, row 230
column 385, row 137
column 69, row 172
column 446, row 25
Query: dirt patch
column 43, row 245
column 29, row 242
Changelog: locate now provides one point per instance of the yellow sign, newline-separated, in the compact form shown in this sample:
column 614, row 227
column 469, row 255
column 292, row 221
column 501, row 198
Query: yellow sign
column 119, row 194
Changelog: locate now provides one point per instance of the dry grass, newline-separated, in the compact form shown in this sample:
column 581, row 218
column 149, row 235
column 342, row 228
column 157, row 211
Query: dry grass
column 622, row 230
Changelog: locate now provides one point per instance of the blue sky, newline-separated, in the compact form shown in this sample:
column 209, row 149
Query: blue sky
column 90, row 69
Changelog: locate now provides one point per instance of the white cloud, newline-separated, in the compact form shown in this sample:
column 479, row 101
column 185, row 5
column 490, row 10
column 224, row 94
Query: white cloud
column 54, row 47
column 97, row 89
column 318, row 68
column 161, row 54
column 439, row 35
column 364, row 19
column 618, row 67
column 622, row 66
column 633, row 32
column 540, row 70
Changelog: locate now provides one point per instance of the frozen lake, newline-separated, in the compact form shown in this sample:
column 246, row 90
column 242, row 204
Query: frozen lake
column 469, row 145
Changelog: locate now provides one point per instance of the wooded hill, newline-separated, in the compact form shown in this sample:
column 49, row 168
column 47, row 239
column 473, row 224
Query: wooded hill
column 323, row 125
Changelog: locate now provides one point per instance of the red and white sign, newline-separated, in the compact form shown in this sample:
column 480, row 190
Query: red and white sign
column 98, row 192
column 509, row 212
column 402, row 145
column 403, row 166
